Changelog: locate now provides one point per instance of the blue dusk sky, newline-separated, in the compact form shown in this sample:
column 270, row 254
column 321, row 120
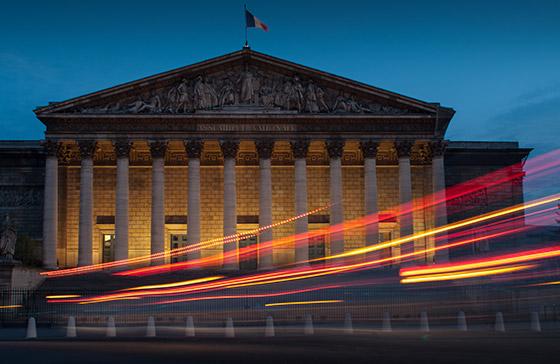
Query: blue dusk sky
column 496, row 63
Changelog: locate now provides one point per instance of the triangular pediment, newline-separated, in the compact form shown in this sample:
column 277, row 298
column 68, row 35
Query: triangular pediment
column 243, row 82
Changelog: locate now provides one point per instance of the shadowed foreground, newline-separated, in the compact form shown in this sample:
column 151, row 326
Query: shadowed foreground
column 437, row 347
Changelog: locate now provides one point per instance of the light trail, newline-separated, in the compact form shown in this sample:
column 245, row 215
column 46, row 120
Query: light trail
column 278, row 276
column 294, row 274
column 173, row 284
column 515, row 258
column 428, row 201
column 10, row 306
column 239, row 296
column 62, row 296
column 445, row 228
column 287, row 240
column 301, row 303
column 466, row 274
column 173, row 252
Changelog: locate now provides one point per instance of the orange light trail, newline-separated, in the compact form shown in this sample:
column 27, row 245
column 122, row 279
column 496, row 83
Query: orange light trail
column 169, row 285
column 10, row 306
column 63, row 296
column 277, row 276
column 466, row 274
column 287, row 240
column 445, row 228
column 256, row 295
column 427, row 201
column 174, row 252
column 521, row 257
column 302, row 303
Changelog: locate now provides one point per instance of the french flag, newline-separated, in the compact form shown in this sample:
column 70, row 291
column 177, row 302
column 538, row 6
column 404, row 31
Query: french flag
column 254, row 22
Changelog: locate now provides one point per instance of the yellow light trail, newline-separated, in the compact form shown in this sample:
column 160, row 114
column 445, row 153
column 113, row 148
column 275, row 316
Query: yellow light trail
column 10, row 306
column 63, row 296
column 513, row 259
column 445, row 228
column 173, row 284
column 466, row 274
column 302, row 303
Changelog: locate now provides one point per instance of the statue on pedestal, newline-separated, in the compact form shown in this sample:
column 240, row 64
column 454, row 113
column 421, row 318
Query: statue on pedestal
column 8, row 238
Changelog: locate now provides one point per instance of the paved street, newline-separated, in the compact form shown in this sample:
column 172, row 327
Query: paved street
column 436, row 347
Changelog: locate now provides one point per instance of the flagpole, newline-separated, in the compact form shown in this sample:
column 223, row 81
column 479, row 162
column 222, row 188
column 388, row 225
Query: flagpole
column 245, row 19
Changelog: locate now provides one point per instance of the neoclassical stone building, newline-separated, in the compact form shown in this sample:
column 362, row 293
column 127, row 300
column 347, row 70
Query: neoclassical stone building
column 233, row 143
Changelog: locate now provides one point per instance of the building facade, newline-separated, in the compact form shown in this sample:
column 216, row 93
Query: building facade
column 235, row 143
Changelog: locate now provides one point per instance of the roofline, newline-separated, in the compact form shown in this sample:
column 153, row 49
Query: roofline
column 393, row 96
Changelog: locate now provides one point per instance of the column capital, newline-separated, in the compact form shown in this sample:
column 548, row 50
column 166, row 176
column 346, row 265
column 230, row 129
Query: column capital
column 51, row 147
column 229, row 148
column 122, row 147
column 438, row 148
column 369, row 148
column 264, row 148
column 87, row 148
column 404, row 147
column 194, row 147
column 158, row 148
column 300, row 147
column 335, row 147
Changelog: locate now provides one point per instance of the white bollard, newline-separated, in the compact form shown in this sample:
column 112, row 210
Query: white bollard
column 348, row 328
column 424, row 325
column 461, row 321
column 308, row 328
column 269, row 329
column 189, row 330
column 111, row 328
column 151, row 328
column 535, row 322
column 386, row 326
column 71, row 327
column 229, row 330
column 499, row 325
column 31, row 329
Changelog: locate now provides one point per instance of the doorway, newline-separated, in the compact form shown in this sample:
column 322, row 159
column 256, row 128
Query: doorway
column 178, row 241
column 316, row 248
column 248, row 262
column 108, row 248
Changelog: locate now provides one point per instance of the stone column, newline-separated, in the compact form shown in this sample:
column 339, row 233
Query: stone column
column 369, row 151
column 229, row 150
column 334, row 149
column 299, row 149
column 122, row 150
column 158, row 149
column 85, row 234
column 440, row 210
column 405, row 193
column 264, row 150
column 194, row 150
column 50, row 212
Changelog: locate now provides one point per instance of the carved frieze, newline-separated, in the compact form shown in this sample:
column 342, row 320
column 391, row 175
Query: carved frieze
column 242, row 88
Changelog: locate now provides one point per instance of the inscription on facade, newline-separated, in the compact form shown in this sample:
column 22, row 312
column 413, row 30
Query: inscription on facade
column 222, row 128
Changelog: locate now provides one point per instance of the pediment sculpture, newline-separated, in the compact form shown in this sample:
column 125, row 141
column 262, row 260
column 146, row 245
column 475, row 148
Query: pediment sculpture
column 239, row 90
